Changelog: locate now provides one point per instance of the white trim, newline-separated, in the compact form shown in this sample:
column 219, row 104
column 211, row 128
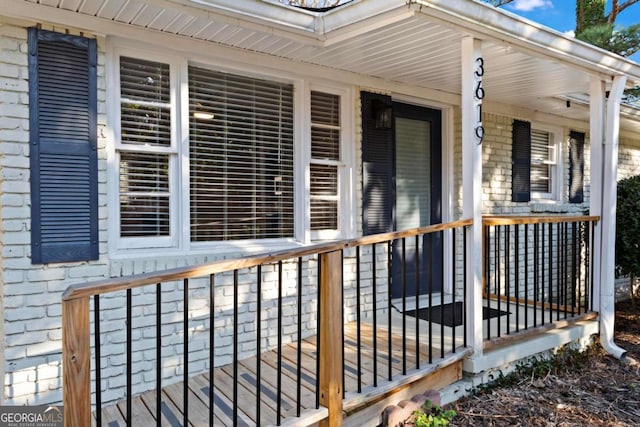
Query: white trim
column 471, row 49
column 115, row 146
column 609, row 193
column 345, row 165
column 557, row 169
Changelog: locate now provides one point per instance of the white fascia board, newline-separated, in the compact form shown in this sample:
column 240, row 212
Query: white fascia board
column 263, row 12
column 486, row 22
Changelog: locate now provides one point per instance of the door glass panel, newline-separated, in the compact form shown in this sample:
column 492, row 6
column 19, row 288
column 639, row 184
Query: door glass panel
column 413, row 183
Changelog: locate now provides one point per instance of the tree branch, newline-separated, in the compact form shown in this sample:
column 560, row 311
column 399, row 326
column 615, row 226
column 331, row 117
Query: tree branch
column 618, row 7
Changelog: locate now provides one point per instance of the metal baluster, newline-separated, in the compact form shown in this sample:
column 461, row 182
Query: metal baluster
column 299, row 349
column 96, row 337
column 212, row 346
column 185, row 386
column 129, row 359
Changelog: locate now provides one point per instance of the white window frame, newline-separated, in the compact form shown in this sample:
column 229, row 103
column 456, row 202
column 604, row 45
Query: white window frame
column 113, row 82
column 179, row 240
column 557, row 166
column 345, row 165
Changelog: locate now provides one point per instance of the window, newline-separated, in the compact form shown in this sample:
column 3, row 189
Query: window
column 543, row 163
column 241, row 157
column 536, row 168
column 206, row 157
column 325, row 160
column 145, row 148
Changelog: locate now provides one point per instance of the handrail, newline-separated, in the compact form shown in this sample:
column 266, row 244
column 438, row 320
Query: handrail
column 76, row 302
column 134, row 281
column 546, row 219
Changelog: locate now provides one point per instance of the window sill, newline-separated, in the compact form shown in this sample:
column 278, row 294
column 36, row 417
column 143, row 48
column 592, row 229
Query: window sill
column 549, row 207
column 220, row 250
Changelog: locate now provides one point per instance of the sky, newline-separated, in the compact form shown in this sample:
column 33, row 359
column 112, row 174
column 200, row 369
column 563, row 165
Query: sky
column 561, row 14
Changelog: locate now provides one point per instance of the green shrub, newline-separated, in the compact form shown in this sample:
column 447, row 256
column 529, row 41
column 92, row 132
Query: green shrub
column 431, row 415
column 628, row 229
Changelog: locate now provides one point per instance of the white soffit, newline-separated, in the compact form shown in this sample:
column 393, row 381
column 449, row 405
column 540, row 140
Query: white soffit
column 415, row 42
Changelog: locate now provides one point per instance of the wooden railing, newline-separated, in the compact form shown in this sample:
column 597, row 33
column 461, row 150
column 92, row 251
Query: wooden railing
column 537, row 271
column 323, row 262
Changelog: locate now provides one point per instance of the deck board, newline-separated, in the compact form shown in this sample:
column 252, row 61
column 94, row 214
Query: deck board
column 144, row 406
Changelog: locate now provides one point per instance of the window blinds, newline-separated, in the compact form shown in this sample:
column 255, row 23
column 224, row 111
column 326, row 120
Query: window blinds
column 145, row 120
column 241, row 157
column 325, row 160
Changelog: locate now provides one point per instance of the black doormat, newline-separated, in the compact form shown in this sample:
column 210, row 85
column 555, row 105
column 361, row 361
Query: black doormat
column 447, row 317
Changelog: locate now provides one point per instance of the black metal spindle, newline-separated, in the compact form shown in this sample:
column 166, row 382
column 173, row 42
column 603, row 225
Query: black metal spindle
column 578, row 273
column 430, row 287
column 235, row 348
column 299, row 347
column 358, row 330
column 403, row 281
column 389, row 279
column 499, row 275
column 464, row 285
column 526, row 276
column 591, row 269
column 96, row 337
column 507, row 257
column 558, row 280
column 259, row 343
column 318, row 325
column 279, row 363
column 342, row 300
column 496, row 269
column 159, row 354
column 551, row 262
column 417, row 295
column 453, row 288
column 129, row 359
column 441, row 269
column 375, row 316
column 543, row 276
column 185, row 385
column 574, row 265
column 565, row 287
column 212, row 346
column 516, row 249
column 487, row 263
column 536, row 275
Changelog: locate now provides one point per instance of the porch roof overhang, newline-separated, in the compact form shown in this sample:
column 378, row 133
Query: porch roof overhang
column 415, row 42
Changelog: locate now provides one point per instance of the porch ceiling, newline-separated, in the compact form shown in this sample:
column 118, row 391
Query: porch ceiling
column 397, row 44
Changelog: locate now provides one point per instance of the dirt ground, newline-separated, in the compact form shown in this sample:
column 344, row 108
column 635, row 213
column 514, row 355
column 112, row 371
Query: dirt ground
column 591, row 389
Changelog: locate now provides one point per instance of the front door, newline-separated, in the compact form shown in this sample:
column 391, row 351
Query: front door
column 402, row 175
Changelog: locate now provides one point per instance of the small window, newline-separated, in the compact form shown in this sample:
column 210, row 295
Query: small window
column 145, row 135
column 325, row 161
column 543, row 162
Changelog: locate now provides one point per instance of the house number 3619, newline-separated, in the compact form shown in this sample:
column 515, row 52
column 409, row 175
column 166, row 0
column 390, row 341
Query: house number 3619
column 479, row 95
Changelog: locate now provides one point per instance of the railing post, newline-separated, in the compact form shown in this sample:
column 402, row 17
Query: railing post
column 76, row 362
column 330, row 354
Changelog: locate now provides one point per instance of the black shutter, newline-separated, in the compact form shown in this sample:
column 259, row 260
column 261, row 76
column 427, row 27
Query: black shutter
column 377, row 168
column 63, row 133
column 576, row 167
column 521, row 162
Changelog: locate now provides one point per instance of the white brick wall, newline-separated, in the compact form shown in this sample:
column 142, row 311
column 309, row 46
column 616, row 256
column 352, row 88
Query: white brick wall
column 31, row 294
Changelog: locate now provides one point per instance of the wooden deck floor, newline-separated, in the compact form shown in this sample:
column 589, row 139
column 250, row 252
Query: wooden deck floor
column 172, row 409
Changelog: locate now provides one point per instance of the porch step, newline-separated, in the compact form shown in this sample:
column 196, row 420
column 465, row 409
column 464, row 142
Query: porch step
column 504, row 359
column 365, row 409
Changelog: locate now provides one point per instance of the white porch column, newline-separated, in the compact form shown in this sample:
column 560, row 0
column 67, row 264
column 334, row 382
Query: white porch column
column 596, row 142
column 609, row 196
column 471, row 106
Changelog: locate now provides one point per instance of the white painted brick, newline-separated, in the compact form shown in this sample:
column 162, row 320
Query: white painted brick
column 46, row 274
